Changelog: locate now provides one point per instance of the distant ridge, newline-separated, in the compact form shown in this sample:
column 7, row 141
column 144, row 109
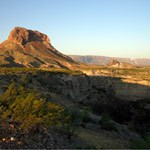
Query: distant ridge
column 28, row 48
column 104, row 60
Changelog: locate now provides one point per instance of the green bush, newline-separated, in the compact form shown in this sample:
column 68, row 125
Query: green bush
column 140, row 143
column 75, row 118
column 29, row 110
column 107, row 123
column 16, row 70
column 85, row 114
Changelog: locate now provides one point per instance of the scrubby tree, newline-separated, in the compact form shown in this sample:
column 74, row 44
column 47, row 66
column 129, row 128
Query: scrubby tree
column 29, row 110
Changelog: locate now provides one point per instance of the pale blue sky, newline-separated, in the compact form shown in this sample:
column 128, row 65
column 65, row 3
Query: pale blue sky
column 84, row 27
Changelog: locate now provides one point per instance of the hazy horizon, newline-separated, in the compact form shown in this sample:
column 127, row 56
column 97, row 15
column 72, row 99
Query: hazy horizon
column 113, row 28
column 109, row 56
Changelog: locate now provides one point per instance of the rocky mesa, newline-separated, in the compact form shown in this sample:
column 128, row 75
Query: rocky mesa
column 28, row 48
column 23, row 36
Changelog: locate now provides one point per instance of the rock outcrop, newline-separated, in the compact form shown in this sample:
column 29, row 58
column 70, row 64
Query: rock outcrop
column 24, row 36
column 117, row 64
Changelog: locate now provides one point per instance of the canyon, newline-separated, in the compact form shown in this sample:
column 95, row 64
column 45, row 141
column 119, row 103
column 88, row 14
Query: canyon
column 81, row 89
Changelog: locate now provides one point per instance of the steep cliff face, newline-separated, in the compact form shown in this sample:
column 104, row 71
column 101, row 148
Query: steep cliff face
column 76, row 88
column 93, row 89
column 24, row 36
column 84, row 89
column 123, row 88
column 127, row 84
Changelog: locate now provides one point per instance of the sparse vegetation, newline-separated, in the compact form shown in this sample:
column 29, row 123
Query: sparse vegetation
column 26, row 108
column 16, row 70
column 75, row 118
column 107, row 123
column 29, row 111
column 141, row 143
column 24, row 112
column 69, row 72
column 139, row 73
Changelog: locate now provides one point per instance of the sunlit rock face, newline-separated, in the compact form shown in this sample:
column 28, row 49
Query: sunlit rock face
column 29, row 48
column 23, row 36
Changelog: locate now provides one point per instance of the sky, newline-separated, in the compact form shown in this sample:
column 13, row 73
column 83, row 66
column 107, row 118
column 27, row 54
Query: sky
column 117, row 28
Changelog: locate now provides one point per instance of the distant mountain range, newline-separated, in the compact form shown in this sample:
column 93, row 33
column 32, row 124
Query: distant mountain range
column 104, row 60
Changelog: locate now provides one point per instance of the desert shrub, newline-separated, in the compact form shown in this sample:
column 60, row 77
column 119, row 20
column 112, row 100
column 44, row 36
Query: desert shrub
column 75, row 118
column 66, row 71
column 131, row 126
column 9, row 96
column 107, row 123
column 85, row 114
column 17, row 70
column 141, row 143
column 29, row 110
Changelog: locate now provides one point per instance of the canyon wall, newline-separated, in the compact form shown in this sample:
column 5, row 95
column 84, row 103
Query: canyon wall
column 90, row 89
column 82, row 88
